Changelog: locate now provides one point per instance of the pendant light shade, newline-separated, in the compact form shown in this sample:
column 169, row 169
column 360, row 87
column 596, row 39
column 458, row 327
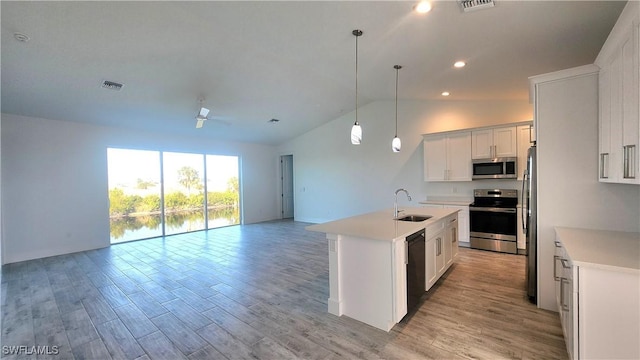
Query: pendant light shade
column 356, row 134
column 356, row 129
column 396, row 144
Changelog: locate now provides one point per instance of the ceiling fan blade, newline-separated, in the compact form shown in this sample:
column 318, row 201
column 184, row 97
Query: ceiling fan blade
column 204, row 112
column 220, row 121
column 200, row 123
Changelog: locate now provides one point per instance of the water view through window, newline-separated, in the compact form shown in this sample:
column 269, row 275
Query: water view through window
column 145, row 201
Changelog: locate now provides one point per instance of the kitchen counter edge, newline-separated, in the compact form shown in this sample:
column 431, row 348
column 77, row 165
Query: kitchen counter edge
column 380, row 225
column 611, row 250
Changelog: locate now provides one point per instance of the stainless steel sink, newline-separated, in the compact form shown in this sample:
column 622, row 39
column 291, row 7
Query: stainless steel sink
column 414, row 218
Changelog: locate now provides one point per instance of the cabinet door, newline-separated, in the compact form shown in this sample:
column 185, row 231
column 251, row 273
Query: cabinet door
column 451, row 242
column 504, row 142
column 604, row 125
column 435, row 157
column 459, row 156
column 440, row 261
column 615, row 154
column 431, row 271
column 482, row 144
column 630, row 122
column 523, row 143
column 447, row 251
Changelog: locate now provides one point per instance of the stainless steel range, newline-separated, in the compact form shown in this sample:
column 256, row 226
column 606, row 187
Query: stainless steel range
column 493, row 220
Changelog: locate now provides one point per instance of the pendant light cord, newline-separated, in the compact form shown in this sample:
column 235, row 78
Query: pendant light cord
column 397, row 67
column 357, row 33
column 397, row 70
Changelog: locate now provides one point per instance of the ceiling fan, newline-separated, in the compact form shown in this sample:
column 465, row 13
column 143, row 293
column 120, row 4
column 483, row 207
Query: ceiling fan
column 203, row 115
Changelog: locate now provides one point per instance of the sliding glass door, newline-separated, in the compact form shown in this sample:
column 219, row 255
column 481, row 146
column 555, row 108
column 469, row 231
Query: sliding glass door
column 134, row 194
column 183, row 192
column 154, row 193
column 223, row 191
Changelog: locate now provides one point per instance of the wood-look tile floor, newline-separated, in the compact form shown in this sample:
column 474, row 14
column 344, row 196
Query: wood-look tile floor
column 257, row 291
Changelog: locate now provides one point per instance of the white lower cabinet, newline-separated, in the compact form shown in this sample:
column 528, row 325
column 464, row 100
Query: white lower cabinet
column 433, row 258
column 451, row 240
column 441, row 248
column 598, row 308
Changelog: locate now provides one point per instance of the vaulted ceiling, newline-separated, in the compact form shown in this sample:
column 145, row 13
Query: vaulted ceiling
column 289, row 60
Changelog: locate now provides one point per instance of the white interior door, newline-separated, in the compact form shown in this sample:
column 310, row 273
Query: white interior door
column 286, row 162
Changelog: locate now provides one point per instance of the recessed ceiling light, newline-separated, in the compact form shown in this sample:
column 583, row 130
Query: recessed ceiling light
column 21, row 37
column 445, row 93
column 423, row 7
column 459, row 64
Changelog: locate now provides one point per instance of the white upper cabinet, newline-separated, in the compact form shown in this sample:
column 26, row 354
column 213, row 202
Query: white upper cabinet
column 619, row 100
column 447, row 157
column 495, row 142
column 524, row 134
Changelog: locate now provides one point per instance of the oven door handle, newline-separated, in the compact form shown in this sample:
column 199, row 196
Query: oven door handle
column 493, row 209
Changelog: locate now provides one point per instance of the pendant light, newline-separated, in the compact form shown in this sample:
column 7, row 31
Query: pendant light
column 396, row 144
column 356, row 130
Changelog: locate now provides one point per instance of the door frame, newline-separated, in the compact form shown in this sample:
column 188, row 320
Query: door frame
column 281, row 183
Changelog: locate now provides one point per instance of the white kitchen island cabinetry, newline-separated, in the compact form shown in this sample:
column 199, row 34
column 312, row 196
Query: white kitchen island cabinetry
column 463, row 216
column 597, row 276
column 367, row 262
column 447, row 156
column 619, row 100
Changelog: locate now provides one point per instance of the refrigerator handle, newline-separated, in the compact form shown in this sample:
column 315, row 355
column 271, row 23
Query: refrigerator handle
column 524, row 208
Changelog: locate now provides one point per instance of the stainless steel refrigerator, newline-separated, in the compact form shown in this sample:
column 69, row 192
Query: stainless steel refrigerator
column 529, row 222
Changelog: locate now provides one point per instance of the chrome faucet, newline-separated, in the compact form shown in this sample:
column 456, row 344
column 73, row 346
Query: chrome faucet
column 395, row 205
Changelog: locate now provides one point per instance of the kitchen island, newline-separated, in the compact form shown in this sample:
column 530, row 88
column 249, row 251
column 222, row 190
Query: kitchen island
column 368, row 256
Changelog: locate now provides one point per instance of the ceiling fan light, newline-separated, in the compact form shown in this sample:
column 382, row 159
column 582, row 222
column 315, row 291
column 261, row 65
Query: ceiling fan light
column 396, row 144
column 356, row 134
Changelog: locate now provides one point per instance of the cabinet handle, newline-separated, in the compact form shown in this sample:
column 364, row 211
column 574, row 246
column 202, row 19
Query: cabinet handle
column 565, row 263
column 604, row 165
column 555, row 267
column 629, row 156
column 563, row 281
column 406, row 252
column 454, row 234
column 558, row 244
column 439, row 246
column 562, row 293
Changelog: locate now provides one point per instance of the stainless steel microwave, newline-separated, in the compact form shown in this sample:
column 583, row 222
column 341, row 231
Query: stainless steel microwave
column 496, row 168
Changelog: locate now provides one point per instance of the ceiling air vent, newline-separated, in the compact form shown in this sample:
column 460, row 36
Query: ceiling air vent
column 473, row 5
column 111, row 85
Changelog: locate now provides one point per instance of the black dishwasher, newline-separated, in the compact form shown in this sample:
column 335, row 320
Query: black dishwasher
column 415, row 269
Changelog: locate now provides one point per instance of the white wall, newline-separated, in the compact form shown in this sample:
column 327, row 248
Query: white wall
column 54, row 182
column 334, row 179
column 569, row 193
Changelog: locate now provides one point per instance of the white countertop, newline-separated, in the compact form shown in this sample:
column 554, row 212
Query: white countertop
column 613, row 250
column 380, row 225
